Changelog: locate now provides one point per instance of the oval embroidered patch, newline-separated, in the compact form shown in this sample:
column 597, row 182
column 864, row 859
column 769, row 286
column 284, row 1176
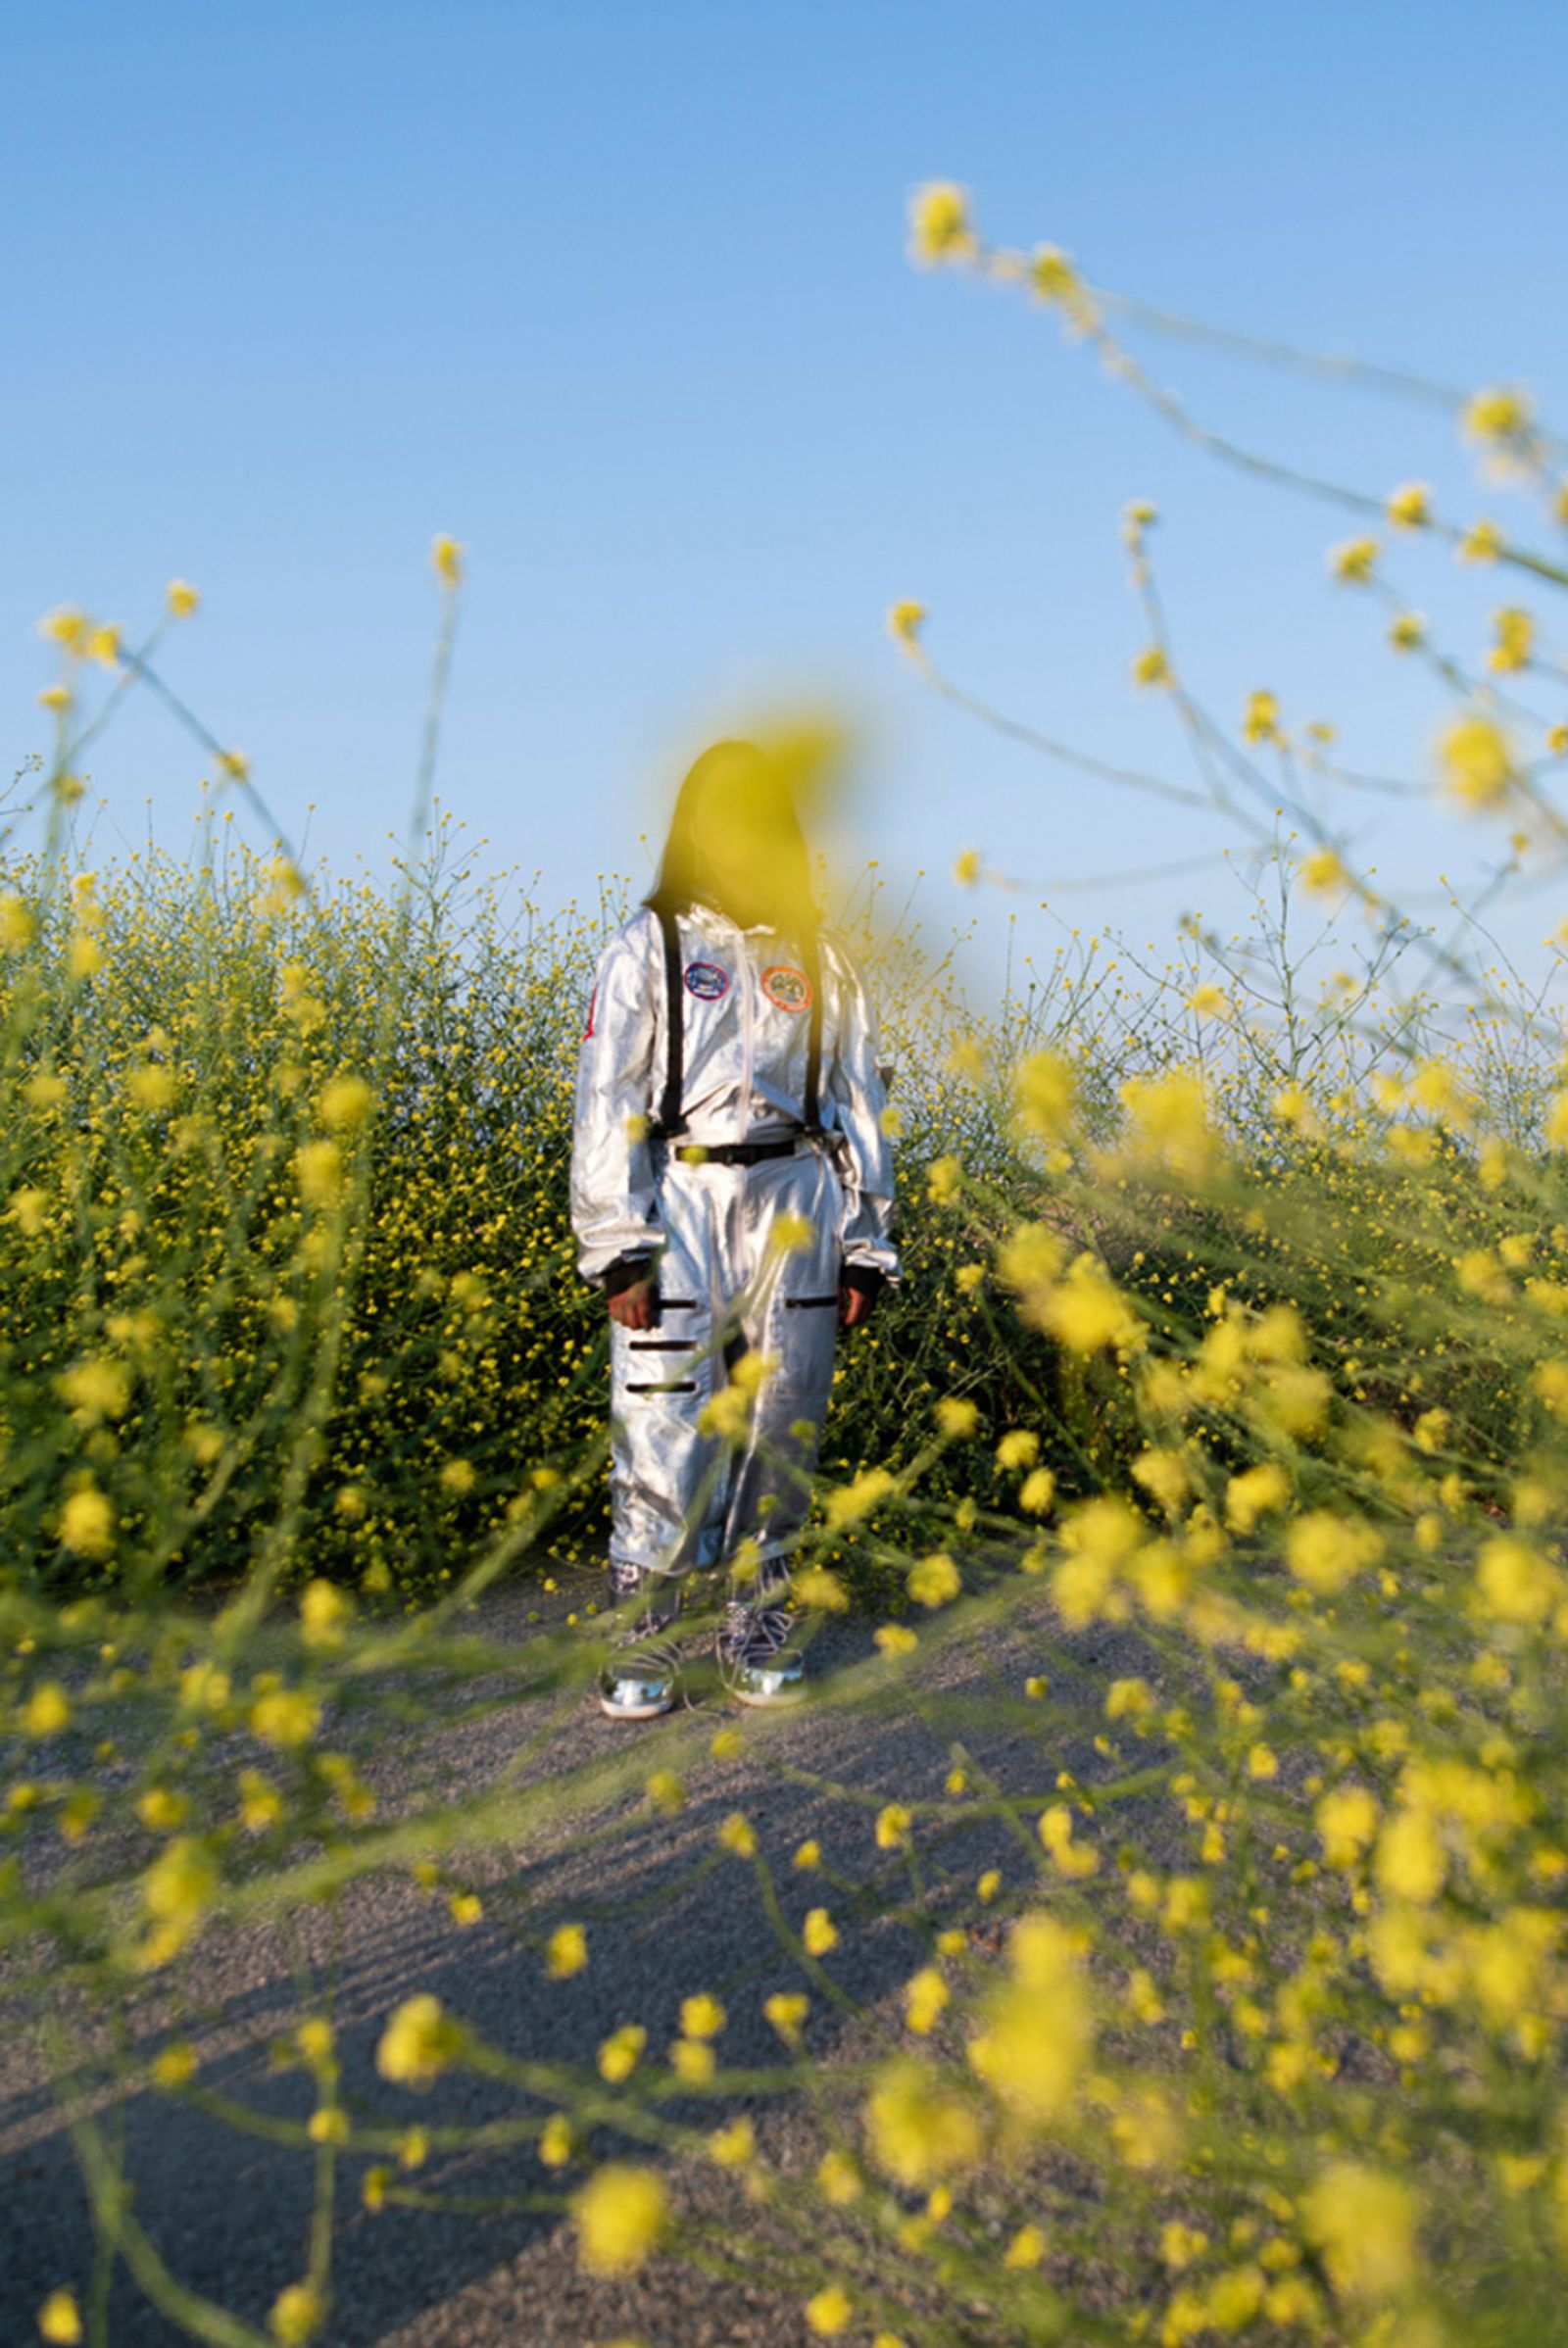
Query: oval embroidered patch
column 788, row 987
column 706, row 980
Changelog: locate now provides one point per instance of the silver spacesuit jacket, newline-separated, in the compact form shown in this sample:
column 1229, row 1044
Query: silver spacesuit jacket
column 751, row 1254
column 746, row 1000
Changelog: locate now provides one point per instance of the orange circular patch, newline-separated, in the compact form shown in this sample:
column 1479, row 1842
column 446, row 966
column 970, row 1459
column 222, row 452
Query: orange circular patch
column 788, row 987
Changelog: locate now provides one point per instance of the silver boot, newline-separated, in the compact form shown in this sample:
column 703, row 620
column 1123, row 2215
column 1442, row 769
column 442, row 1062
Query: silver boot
column 641, row 1676
column 758, row 1659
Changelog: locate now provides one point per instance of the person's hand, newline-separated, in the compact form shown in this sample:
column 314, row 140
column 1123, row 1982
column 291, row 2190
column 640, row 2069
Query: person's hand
column 637, row 1306
column 856, row 1305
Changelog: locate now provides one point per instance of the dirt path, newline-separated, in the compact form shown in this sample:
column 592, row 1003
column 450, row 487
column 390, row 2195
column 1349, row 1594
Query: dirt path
column 230, row 2213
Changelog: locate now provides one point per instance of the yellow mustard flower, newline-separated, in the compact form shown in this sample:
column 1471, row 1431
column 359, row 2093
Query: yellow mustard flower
column 622, row 2215
column 939, row 226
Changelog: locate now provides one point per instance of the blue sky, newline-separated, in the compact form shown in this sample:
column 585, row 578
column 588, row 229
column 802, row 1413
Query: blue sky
column 618, row 295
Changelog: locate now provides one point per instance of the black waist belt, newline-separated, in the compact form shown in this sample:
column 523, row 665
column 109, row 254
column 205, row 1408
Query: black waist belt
column 741, row 1154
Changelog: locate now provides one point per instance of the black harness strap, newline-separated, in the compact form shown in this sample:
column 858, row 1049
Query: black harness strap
column 670, row 1119
column 813, row 1038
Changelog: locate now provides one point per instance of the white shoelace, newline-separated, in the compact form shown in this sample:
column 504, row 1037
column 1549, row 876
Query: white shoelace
column 756, row 1634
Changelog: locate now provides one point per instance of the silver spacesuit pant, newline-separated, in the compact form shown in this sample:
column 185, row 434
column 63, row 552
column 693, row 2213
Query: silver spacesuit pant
column 682, row 1495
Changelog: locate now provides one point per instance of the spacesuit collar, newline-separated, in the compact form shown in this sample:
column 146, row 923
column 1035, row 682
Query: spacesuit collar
column 746, row 929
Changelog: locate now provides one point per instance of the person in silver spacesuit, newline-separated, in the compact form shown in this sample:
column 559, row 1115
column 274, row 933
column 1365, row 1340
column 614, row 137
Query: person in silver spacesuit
column 732, row 1194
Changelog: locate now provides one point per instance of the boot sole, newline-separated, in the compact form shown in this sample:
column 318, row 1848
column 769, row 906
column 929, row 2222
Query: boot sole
column 768, row 1703
column 636, row 1711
